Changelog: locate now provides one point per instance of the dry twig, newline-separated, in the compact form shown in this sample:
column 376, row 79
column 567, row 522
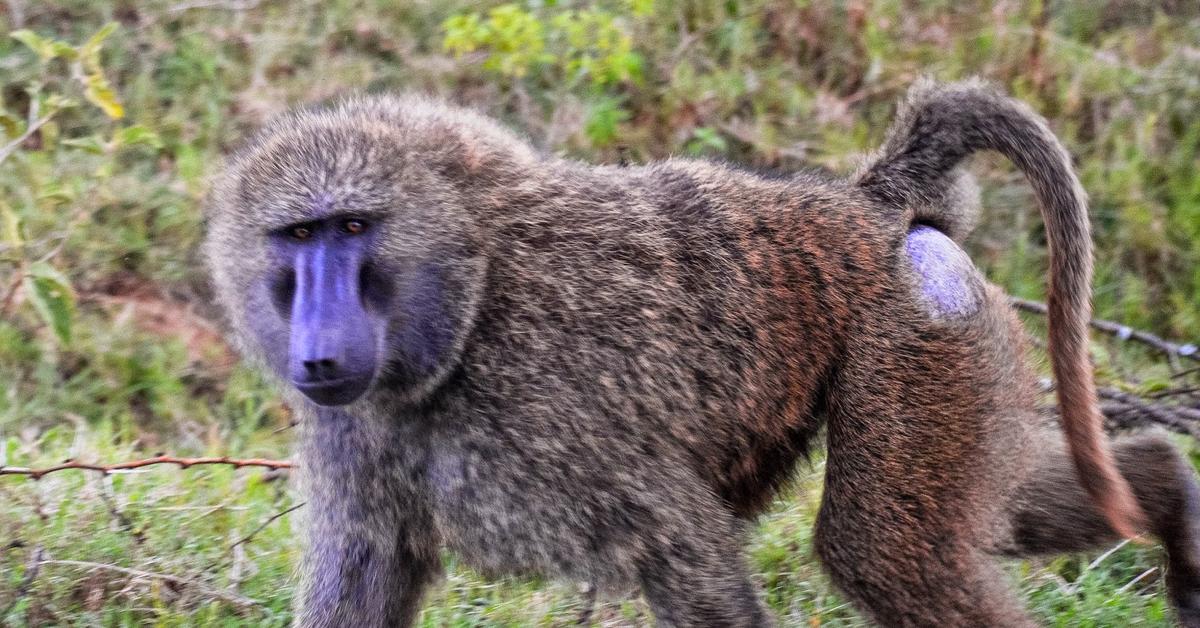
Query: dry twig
column 1124, row 332
column 263, row 525
column 36, row 560
column 228, row 596
column 1125, row 410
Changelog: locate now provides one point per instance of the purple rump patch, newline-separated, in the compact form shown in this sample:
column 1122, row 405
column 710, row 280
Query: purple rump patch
column 949, row 282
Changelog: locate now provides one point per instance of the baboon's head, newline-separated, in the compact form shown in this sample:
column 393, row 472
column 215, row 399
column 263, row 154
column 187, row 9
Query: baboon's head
column 345, row 247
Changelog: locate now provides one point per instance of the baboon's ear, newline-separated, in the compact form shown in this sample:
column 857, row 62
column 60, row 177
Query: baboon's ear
column 474, row 155
column 460, row 157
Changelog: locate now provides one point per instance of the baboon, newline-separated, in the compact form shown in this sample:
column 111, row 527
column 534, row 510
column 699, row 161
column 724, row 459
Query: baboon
column 597, row 373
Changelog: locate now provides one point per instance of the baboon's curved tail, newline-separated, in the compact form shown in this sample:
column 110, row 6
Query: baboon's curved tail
column 935, row 130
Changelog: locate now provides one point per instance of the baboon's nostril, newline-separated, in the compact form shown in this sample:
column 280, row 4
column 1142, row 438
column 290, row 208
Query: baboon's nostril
column 322, row 368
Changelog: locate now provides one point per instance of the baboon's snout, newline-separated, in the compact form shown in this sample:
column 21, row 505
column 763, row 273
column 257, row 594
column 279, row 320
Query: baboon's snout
column 332, row 367
column 332, row 344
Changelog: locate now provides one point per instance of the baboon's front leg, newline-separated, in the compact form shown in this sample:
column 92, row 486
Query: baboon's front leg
column 356, row 580
column 688, row 585
column 371, row 549
column 1052, row 514
column 693, row 572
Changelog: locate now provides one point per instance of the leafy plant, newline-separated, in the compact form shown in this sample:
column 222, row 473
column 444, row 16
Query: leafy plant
column 31, row 257
column 589, row 45
column 589, row 51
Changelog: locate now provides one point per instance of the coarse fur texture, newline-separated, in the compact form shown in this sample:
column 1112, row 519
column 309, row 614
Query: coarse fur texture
column 595, row 373
column 938, row 127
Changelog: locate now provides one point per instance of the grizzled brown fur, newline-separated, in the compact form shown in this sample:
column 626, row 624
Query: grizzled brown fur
column 639, row 355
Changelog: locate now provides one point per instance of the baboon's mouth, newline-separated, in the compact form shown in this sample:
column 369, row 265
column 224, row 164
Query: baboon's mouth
column 334, row 392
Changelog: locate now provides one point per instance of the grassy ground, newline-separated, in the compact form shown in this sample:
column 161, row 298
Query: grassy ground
column 107, row 352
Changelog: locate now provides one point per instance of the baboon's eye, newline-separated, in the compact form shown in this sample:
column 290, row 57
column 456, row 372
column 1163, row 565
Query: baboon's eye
column 354, row 226
column 300, row 232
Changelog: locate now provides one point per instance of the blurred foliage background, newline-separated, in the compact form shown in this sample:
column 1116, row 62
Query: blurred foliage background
column 114, row 112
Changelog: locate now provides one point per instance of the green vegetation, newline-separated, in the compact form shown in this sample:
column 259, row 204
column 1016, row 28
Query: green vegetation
column 112, row 114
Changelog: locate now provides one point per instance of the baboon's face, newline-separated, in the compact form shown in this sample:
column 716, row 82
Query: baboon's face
column 341, row 256
column 324, row 290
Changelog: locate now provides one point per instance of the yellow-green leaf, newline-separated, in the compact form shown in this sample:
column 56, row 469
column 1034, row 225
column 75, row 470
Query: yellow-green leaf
column 64, row 50
column 56, row 194
column 97, row 90
column 137, row 135
column 90, row 143
column 641, row 8
column 52, row 298
column 11, row 224
column 1154, row 385
column 10, row 124
column 49, row 133
column 90, row 50
column 53, row 103
column 102, row 95
column 44, row 48
column 9, row 451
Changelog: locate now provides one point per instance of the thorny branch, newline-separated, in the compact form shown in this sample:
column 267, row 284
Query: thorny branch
column 183, row 463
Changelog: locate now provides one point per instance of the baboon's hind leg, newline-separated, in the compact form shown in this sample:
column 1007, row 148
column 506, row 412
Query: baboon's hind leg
column 1052, row 514
column 919, row 453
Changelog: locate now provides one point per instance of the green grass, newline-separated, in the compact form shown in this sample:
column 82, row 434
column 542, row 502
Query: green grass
column 187, row 525
column 104, row 349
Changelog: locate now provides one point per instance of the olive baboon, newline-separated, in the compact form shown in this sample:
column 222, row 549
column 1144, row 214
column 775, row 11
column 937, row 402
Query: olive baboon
column 595, row 372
